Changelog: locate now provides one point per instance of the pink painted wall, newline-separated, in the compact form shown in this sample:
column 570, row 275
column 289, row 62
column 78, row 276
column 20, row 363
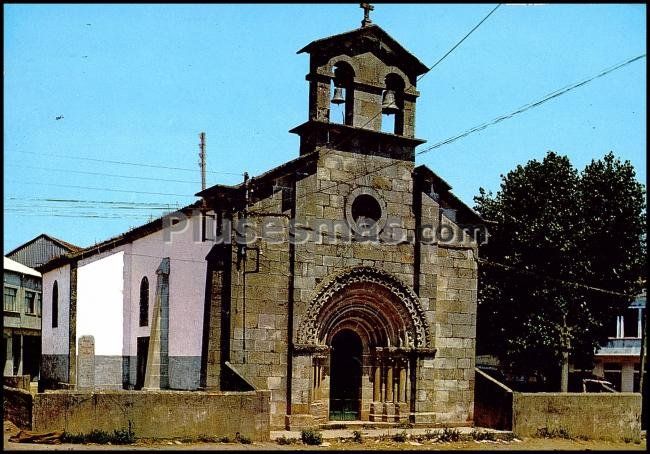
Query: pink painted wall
column 186, row 286
column 55, row 340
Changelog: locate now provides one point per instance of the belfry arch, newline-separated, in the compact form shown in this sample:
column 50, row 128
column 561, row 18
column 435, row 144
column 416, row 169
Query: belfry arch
column 386, row 316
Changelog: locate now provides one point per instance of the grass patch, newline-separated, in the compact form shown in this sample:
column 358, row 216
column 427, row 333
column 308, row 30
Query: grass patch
column 117, row 437
column 311, row 436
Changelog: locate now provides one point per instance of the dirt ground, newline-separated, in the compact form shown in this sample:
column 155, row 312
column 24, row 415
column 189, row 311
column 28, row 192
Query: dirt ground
column 369, row 444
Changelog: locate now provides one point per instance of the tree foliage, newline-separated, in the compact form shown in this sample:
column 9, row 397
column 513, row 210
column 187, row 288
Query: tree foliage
column 554, row 226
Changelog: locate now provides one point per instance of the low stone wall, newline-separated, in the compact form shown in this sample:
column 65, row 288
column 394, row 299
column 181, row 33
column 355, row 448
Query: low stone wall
column 615, row 416
column 155, row 414
column 17, row 406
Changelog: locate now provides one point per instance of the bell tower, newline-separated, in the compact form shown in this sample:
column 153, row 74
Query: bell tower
column 362, row 94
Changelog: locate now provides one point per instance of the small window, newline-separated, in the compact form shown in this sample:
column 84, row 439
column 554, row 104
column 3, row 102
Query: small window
column 631, row 322
column 366, row 211
column 55, row 305
column 144, row 302
column 10, row 299
column 30, row 302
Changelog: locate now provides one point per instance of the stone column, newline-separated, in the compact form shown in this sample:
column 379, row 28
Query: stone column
column 389, row 383
column 402, row 384
column 86, row 363
column 157, row 372
column 376, row 383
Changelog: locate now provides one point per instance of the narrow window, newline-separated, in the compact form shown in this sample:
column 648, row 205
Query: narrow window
column 30, row 302
column 10, row 299
column 55, row 305
column 144, row 302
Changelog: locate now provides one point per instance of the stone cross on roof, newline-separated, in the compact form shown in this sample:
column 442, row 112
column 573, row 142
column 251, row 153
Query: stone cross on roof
column 367, row 7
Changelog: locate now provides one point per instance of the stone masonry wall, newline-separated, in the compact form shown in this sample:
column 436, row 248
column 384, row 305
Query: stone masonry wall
column 160, row 414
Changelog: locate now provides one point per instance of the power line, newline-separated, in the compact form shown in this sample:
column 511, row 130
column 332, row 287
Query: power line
column 459, row 42
column 38, row 183
column 529, row 106
column 104, row 174
column 123, row 162
column 36, row 199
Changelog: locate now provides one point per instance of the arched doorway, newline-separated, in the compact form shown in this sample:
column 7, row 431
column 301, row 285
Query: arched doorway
column 345, row 382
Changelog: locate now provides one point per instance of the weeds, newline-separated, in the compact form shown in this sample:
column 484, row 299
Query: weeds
column 118, row 437
column 357, row 436
column 286, row 441
column 483, row 435
column 311, row 437
column 561, row 432
column 400, row 437
column 449, row 435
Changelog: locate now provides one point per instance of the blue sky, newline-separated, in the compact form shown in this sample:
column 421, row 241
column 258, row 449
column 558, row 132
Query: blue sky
column 138, row 83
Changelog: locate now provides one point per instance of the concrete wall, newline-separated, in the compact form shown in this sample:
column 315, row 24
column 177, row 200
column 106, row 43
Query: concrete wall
column 614, row 416
column 17, row 405
column 162, row 414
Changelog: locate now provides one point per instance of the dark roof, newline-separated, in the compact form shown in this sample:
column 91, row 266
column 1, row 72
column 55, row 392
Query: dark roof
column 64, row 244
column 446, row 198
column 123, row 238
column 372, row 31
column 234, row 193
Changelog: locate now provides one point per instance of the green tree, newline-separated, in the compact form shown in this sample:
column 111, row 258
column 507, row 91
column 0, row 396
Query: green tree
column 553, row 226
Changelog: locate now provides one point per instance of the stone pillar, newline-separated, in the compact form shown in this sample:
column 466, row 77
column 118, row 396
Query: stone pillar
column 9, row 357
column 389, row 383
column 157, row 372
column 376, row 384
column 86, row 363
column 402, row 384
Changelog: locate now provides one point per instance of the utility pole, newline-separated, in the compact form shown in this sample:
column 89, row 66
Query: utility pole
column 202, row 157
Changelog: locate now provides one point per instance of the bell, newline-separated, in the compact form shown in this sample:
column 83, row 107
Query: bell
column 338, row 97
column 388, row 105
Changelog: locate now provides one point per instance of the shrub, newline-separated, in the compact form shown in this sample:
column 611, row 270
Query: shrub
column 286, row 441
column 357, row 436
column 400, row 437
column 449, row 435
column 405, row 425
column 483, row 435
column 311, row 436
column 243, row 439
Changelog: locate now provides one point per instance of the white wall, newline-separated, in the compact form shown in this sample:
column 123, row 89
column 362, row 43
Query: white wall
column 55, row 340
column 99, row 303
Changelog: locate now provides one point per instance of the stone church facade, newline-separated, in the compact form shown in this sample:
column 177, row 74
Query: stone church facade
column 343, row 281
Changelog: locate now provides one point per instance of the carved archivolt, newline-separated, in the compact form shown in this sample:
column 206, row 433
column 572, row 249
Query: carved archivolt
column 413, row 325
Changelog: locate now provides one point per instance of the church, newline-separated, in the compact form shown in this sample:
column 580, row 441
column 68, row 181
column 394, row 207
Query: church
column 343, row 281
